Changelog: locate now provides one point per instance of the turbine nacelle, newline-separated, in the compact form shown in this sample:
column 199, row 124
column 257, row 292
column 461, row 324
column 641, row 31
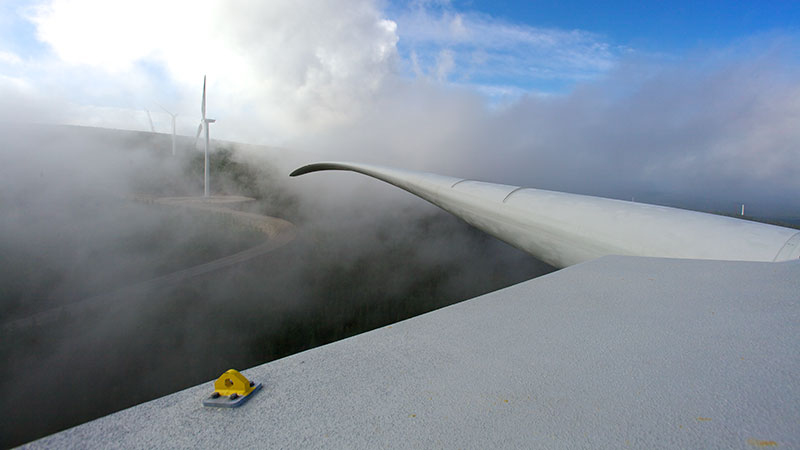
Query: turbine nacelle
column 168, row 112
column 200, row 127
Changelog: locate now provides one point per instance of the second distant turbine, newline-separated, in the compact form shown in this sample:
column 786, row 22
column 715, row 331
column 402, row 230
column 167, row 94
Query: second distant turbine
column 174, row 116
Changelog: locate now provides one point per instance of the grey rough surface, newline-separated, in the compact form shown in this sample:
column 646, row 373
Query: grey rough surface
column 646, row 352
column 224, row 401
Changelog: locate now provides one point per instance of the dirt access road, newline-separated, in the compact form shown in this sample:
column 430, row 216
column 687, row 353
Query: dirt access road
column 278, row 232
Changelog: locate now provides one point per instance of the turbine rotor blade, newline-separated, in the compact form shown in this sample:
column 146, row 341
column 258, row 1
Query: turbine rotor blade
column 203, row 107
column 565, row 229
column 197, row 136
column 150, row 119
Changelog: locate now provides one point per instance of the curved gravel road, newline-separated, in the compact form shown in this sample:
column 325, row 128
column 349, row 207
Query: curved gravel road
column 279, row 232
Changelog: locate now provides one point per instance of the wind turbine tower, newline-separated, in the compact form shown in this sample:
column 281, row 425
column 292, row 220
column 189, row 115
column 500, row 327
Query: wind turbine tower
column 174, row 116
column 204, row 124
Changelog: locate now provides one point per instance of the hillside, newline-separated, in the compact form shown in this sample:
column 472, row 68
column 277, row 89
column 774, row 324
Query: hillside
column 71, row 229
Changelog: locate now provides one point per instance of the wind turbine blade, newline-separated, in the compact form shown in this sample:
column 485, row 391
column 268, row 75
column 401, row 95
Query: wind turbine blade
column 565, row 229
column 150, row 119
column 203, row 107
column 197, row 136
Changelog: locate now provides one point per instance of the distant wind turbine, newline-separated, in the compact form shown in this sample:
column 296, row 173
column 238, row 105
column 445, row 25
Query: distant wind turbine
column 204, row 122
column 174, row 116
column 150, row 119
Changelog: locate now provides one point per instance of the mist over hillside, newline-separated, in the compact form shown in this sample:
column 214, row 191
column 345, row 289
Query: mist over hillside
column 74, row 226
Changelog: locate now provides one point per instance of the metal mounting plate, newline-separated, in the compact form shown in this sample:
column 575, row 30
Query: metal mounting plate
column 226, row 402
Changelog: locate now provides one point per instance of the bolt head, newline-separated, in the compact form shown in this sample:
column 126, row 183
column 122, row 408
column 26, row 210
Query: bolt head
column 215, row 395
column 234, row 396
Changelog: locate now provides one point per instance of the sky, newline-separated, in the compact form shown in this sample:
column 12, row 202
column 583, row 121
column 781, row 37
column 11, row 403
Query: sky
column 617, row 99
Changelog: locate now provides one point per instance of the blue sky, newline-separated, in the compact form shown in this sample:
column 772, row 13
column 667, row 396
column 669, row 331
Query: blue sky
column 615, row 31
column 666, row 26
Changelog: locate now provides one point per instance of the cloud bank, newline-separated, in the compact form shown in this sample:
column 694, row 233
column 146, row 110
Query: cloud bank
column 710, row 131
column 430, row 87
column 500, row 59
column 275, row 69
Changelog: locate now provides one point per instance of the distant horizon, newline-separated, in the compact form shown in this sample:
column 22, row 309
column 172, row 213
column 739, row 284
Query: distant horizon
column 785, row 217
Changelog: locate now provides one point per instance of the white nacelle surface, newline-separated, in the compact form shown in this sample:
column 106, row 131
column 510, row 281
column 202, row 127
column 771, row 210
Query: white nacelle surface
column 618, row 352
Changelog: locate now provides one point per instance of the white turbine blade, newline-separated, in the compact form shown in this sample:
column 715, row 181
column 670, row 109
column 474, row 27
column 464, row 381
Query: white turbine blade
column 565, row 229
column 203, row 107
column 197, row 136
column 150, row 119
column 166, row 110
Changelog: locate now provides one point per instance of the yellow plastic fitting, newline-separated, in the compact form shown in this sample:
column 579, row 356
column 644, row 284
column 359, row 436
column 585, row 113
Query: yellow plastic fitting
column 233, row 382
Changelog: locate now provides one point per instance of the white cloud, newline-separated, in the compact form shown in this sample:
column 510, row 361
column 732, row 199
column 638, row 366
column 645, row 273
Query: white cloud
column 283, row 68
column 275, row 69
column 486, row 49
column 115, row 35
column 715, row 129
column 9, row 58
column 322, row 76
column 445, row 62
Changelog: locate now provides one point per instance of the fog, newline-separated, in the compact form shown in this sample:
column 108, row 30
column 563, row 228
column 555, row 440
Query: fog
column 72, row 229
